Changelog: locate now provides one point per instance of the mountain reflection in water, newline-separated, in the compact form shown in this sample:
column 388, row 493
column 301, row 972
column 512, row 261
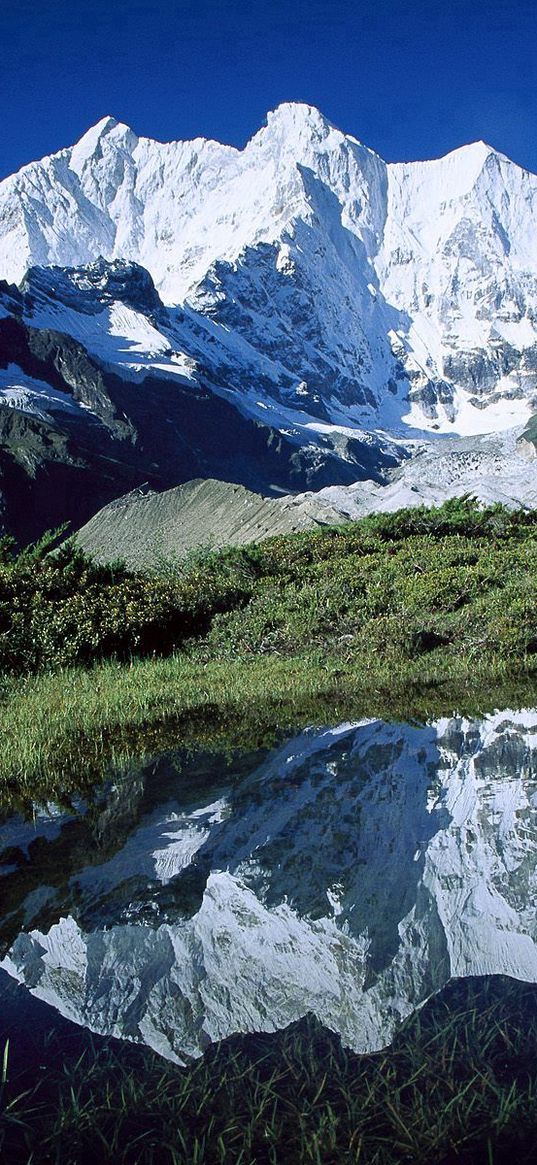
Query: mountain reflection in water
column 351, row 873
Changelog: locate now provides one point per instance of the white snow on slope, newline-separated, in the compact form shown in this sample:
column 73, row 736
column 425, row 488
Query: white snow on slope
column 120, row 337
column 28, row 395
column 403, row 295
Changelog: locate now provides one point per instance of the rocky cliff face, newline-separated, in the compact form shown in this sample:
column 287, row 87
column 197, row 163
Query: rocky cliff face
column 324, row 306
column 103, row 388
column 396, row 295
column 352, row 875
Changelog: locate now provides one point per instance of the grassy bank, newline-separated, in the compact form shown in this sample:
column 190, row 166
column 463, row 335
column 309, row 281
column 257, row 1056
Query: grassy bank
column 458, row 1085
column 412, row 614
column 61, row 731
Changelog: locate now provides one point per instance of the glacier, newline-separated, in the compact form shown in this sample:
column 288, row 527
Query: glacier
column 326, row 315
column 405, row 294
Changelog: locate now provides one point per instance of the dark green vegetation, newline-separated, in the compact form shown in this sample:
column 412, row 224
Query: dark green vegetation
column 395, row 587
column 459, row 1085
column 406, row 614
column 62, row 609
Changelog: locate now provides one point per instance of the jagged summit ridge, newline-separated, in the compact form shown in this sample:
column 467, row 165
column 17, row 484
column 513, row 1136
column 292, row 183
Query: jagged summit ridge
column 398, row 296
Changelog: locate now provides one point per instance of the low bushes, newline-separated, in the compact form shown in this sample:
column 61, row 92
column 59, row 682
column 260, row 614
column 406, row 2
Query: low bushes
column 62, row 609
column 457, row 580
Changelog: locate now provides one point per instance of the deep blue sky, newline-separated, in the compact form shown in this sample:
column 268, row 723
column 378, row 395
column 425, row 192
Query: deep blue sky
column 411, row 79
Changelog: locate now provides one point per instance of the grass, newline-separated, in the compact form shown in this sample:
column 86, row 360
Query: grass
column 411, row 614
column 414, row 615
column 61, row 731
column 458, row 1085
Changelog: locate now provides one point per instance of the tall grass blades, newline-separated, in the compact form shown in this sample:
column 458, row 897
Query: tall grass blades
column 458, row 1086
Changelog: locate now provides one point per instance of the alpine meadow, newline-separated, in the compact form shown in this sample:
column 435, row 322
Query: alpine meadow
column 268, row 584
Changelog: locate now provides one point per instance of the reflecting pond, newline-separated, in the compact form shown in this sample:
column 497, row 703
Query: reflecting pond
column 351, row 873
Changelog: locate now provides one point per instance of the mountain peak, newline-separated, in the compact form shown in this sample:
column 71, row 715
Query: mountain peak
column 108, row 128
column 105, row 125
column 479, row 151
column 475, row 153
column 296, row 110
column 291, row 116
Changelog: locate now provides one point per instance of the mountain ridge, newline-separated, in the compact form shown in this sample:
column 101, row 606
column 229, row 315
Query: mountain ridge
column 345, row 305
column 297, row 174
column 109, row 122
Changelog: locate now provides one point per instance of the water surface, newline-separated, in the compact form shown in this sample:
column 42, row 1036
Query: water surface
column 351, row 873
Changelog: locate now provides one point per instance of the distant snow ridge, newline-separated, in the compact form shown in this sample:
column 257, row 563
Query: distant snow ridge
column 401, row 297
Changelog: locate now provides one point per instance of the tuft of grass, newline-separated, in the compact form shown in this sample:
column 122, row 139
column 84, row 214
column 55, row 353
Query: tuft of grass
column 62, row 731
column 458, row 1085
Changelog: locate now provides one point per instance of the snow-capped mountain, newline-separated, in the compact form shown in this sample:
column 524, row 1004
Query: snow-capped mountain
column 318, row 253
column 332, row 300
column 351, row 875
column 103, row 388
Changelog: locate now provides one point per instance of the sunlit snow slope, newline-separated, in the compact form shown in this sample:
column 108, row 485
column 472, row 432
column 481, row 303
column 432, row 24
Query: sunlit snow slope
column 396, row 295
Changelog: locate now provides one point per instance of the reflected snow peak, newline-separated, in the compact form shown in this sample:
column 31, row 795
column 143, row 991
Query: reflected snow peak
column 352, row 873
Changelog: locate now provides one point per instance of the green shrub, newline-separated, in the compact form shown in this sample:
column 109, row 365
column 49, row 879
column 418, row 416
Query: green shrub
column 459, row 580
column 61, row 609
